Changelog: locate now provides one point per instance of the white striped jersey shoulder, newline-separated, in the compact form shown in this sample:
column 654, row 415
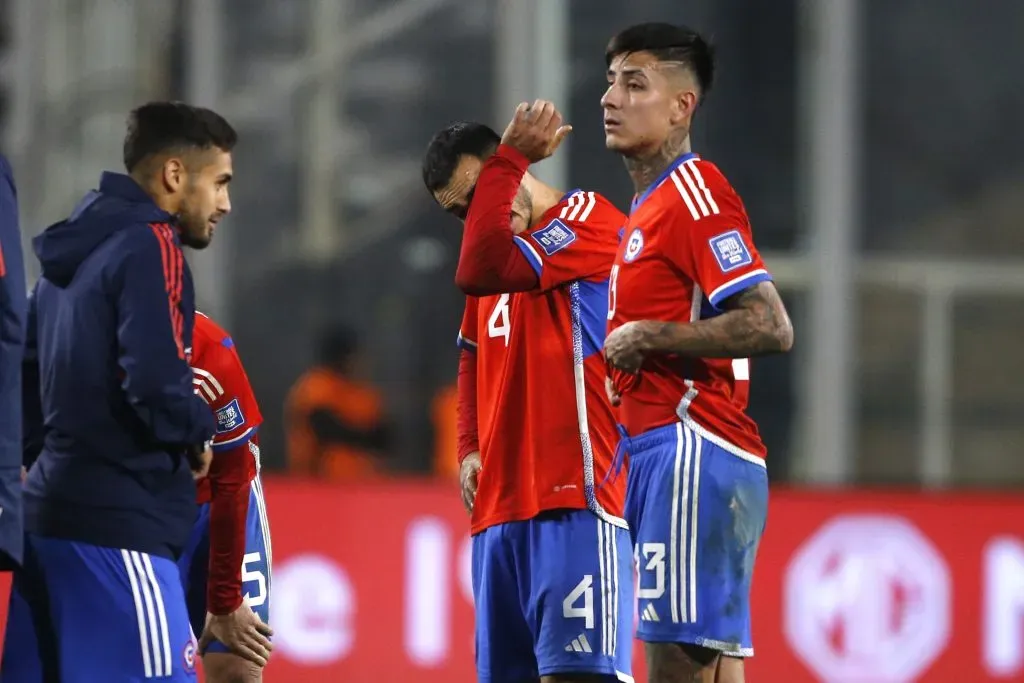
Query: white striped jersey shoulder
column 206, row 385
column 696, row 188
column 578, row 206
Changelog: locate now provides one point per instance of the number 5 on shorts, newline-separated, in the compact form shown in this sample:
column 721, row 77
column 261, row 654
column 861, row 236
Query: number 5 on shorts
column 254, row 574
column 585, row 590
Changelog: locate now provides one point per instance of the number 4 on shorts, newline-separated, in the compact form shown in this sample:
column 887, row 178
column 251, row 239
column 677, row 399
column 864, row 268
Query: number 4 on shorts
column 584, row 590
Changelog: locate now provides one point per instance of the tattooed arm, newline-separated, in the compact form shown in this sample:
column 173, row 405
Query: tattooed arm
column 755, row 323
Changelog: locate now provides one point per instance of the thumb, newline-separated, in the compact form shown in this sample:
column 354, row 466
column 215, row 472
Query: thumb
column 560, row 135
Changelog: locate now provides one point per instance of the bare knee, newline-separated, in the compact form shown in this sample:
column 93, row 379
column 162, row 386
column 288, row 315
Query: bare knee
column 730, row 670
column 224, row 667
column 680, row 663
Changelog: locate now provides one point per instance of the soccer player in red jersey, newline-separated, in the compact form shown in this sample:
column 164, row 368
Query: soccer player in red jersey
column 552, row 562
column 690, row 301
column 225, row 567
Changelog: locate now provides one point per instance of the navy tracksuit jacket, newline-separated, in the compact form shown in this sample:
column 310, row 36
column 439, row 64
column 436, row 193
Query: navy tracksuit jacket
column 12, row 336
column 110, row 325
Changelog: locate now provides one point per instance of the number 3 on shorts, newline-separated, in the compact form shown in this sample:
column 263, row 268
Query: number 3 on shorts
column 584, row 591
column 254, row 574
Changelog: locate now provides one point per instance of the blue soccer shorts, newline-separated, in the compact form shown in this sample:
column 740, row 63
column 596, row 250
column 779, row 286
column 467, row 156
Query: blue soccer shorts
column 195, row 563
column 553, row 595
column 696, row 512
column 82, row 613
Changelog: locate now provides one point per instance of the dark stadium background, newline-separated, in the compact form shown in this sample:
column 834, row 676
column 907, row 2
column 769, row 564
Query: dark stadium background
column 878, row 147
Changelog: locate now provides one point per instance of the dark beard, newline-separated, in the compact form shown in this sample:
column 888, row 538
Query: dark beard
column 191, row 231
column 645, row 170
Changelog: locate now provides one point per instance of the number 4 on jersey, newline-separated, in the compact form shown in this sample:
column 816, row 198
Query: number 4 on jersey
column 498, row 324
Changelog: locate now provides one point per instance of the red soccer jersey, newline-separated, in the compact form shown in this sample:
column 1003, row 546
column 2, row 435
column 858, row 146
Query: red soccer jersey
column 547, row 432
column 218, row 377
column 220, row 380
column 686, row 248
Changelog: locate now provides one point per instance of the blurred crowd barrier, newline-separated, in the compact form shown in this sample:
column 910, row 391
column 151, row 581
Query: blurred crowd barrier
column 899, row 374
column 372, row 583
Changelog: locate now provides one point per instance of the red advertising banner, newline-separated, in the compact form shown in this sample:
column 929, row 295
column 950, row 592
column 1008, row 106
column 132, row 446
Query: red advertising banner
column 371, row 583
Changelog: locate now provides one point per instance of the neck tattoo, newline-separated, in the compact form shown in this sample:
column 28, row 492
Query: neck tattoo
column 645, row 170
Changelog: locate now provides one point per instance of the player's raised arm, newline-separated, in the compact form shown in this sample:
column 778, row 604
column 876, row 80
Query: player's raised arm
column 489, row 261
column 452, row 166
column 157, row 379
column 492, row 256
column 483, row 180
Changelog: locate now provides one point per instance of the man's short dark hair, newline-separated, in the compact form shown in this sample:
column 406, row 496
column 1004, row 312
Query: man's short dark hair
column 668, row 43
column 450, row 144
column 159, row 127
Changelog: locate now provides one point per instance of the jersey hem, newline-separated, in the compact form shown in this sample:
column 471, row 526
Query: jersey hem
column 727, row 446
column 524, row 516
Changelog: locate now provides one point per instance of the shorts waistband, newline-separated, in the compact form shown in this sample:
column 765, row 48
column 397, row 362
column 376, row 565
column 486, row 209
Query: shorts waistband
column 652, row 438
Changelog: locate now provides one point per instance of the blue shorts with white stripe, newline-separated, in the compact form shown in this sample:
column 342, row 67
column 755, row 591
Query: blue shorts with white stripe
column 195, row 561
column 696, row 510
column 553, row 595
column 81, row 612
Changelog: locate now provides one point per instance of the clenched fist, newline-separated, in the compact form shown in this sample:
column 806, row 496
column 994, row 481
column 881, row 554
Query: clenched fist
column 536, row 130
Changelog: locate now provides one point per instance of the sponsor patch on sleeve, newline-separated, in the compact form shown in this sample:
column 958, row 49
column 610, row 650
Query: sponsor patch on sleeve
column 730, row 251
column 555, row 237
column 230, row 417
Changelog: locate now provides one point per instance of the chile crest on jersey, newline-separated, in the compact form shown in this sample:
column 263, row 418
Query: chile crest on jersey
column 634, row 245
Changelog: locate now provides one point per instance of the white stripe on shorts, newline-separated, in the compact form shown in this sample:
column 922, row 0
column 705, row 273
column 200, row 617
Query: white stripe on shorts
column 261, row 508
column 602, row 585
column 608, row 559
column 683, row 529
column 673, row 533
column 154, row 638
column 698, row 446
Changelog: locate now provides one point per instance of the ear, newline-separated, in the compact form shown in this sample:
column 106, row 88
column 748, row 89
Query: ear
column 684, row 104
column 173, row 174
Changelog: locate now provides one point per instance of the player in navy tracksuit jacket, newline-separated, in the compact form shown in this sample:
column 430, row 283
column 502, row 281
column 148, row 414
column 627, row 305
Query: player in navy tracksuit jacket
column 110, row 500
column 12, row 336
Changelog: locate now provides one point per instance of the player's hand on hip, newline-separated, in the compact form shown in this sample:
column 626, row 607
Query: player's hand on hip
column 469, row 479
column 624, row 347
column 536, row 130
column 613, row 394
column 242, row 632
column 199, row 459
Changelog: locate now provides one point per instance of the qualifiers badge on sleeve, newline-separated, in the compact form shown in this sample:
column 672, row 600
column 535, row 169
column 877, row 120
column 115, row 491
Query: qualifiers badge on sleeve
column 230, row 417
column 555, row 237
column 730, row 251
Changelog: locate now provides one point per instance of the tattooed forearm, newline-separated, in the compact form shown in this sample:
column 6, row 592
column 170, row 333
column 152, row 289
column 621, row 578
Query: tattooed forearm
column 755, row 324
column 645, row 170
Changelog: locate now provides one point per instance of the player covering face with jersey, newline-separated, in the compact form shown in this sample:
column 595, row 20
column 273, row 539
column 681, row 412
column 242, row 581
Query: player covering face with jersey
column 552, row 565
column 690, row 301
